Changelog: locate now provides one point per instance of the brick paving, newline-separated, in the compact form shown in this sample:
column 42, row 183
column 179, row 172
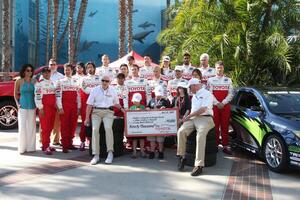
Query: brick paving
column 32, row 172
column 249, row 179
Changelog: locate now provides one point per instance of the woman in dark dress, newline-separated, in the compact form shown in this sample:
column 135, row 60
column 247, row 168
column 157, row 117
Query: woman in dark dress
column 182, row 101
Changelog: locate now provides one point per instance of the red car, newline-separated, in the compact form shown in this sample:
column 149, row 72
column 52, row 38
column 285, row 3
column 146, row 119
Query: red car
column 8, row 108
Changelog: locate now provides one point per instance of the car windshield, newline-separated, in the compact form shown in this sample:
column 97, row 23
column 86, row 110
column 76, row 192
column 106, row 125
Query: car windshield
column 283, row 102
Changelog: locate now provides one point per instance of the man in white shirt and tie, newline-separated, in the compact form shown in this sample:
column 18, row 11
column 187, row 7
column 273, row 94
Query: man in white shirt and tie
column 101, row 100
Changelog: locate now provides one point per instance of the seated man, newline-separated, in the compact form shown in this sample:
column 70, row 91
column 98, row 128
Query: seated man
column 200, row 119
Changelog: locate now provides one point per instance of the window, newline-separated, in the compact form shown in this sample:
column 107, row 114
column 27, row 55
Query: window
column 247, row 100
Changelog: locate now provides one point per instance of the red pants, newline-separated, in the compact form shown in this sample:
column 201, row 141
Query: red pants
column 83, row 98
column 221, row 120
column 47, row 120
column 68, row 120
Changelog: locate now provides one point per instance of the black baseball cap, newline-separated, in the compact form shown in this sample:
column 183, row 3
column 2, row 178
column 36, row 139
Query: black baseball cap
column 46, row 69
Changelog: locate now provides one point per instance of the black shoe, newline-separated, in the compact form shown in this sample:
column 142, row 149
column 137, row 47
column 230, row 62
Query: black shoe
column 227, row 150
column 161, row 155
column 56, row 144
column 181, row 163
column 197, row 171
column 151, row 155
column 72, row 148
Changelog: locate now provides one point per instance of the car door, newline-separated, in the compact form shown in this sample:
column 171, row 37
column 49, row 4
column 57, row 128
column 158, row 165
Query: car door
column 247, row 114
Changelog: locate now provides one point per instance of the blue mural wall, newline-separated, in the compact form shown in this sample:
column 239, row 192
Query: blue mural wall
column 100, row 30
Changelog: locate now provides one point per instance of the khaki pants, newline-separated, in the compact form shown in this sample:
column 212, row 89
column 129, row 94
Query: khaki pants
column 108, row 118
column 202, row 124
column 56, row 129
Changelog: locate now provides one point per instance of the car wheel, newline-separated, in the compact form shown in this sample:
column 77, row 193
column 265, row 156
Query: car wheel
column 275, row 153
column 8, row 115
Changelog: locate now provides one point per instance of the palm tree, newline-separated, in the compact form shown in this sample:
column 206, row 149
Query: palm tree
column 250, row 36
column 49, row 13
column 6, row 28
column 71, row 50
column 37, row 32
column 79, row 24
column 122, row 27
column 55, row 28
column 129, row 25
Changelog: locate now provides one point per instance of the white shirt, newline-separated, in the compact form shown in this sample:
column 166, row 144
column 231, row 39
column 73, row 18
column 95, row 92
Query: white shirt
column 103, row 98
column 89, row 82
column 105, row 71
column 207, row 72
column 187, row 71
column 56, row 76
column 203, row 98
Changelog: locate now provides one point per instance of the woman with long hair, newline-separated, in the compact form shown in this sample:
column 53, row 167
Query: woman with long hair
column 24, row 97
column 182, row 101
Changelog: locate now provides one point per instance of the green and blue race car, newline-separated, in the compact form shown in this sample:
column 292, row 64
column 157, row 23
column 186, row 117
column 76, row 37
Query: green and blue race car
column 267, row 122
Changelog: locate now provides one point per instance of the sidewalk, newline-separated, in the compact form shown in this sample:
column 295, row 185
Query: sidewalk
column 69, row 176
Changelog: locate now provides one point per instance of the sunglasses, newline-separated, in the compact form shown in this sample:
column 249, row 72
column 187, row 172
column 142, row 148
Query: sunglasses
column 52, row 64
column 28, row 70
column 107, row 81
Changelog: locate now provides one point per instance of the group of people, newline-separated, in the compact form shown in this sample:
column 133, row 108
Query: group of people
column 98, row 94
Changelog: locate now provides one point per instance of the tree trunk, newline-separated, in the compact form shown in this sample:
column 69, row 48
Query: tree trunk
column 79, row 24
column 37, row 32
column 48, row 30
column 129, row 25
column 55, row 29
column 71, row 50
column 122, row 27
column 6, row 48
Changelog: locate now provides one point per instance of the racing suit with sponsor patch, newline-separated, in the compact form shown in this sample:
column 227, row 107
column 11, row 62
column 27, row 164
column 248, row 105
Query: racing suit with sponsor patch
column 207, row 72
column 122, row 92
column 146, row 72
column 86, row 85
column 45, row 99
column 68, row 99
column 222, row 90
column 187, row 71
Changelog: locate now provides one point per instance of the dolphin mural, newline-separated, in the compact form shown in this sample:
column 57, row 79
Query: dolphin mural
column 91, row 14
column 145, row 25
column 141, row 36
column 86, row 45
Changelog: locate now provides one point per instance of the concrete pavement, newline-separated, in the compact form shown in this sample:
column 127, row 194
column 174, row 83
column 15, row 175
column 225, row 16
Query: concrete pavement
column 69, row 176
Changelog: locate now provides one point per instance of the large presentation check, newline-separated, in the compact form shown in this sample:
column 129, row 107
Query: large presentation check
column 151, row 122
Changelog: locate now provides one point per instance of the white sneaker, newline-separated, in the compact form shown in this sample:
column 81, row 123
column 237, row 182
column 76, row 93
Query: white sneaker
column 95, row 160
column 110, row 157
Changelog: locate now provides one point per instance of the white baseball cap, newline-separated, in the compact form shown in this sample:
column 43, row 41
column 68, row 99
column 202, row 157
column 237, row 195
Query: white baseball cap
column 166, row 58
column 182, row 84
column 159, row 91
column 137, row 97
column 194, row 81
column 178, row 68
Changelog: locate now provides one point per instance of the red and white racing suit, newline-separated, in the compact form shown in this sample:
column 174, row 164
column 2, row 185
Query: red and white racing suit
column 207, row 72
column 86, row 85
column 222, row 89
column 122, row 93
column 167, row 75
column 172, row 86
column 187, row 71
column 68, row 99
column 107, row 71
column 146, row 72
column 138, row 85
column 156, row 82
column 45, row 99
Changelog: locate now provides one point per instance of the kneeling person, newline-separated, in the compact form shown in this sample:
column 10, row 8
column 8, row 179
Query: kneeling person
column 199, row 119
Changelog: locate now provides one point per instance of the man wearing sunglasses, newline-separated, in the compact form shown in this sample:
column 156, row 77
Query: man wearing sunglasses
column 102, row 99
